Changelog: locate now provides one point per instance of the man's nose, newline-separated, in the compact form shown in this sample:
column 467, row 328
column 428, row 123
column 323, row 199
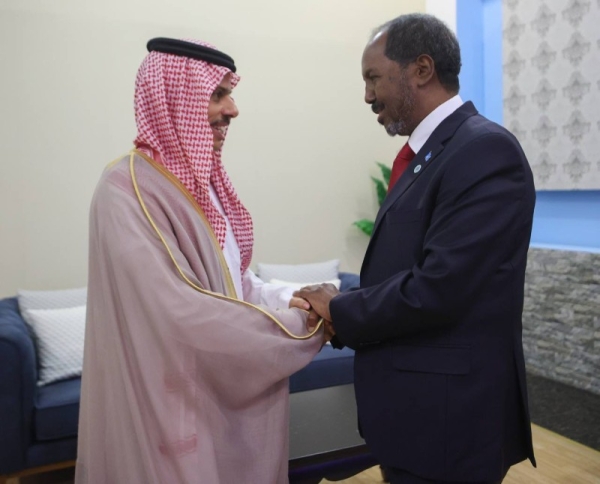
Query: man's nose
column 369, row 96
column 230, row 109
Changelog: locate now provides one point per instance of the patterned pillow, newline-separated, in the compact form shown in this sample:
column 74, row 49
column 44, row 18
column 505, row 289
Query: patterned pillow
column 300, row 285
column 68, row 298
column 318, row 272
column 60, row 335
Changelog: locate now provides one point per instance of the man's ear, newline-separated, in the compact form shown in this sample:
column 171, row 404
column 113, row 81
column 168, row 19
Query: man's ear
column 424, row 69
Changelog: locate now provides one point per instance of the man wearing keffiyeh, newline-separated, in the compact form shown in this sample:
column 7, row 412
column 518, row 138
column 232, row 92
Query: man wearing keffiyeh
column 187, row 352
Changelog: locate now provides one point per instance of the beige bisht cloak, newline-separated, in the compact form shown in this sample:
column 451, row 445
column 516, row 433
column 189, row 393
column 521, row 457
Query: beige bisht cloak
column 180, row 383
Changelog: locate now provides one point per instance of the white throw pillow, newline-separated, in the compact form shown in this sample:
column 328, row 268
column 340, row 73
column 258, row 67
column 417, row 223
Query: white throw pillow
column 60, row 334
column 300, row 285
column 67, row 298
column 319, row 271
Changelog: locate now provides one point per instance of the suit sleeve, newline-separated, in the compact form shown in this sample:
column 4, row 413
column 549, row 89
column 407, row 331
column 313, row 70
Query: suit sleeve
column 482, row 211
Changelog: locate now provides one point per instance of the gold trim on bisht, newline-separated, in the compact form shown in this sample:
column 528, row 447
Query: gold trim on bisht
column 225, row 268
column 175, row 181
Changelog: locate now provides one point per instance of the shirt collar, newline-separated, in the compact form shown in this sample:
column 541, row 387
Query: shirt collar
column 423, row 131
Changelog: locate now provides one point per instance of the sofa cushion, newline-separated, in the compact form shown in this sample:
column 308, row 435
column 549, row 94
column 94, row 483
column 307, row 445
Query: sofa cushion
column 57, row 410
column 330, row 367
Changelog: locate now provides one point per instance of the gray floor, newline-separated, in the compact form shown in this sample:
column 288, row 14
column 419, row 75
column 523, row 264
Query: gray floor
column 565, row 410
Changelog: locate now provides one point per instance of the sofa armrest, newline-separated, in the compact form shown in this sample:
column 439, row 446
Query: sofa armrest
column 348, row 281
column 330, row 367
column 18, row 375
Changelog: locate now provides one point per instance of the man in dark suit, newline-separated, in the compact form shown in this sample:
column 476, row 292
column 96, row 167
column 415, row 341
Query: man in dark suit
column 436, row 323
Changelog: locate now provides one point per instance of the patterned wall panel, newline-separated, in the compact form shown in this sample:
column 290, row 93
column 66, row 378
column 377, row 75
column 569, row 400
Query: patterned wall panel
column 551, row 61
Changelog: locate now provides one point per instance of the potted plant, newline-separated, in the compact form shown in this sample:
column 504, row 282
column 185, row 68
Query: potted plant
column 381, row 186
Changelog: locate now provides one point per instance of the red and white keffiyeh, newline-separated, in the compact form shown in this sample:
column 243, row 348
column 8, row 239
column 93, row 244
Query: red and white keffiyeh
column 171, row 109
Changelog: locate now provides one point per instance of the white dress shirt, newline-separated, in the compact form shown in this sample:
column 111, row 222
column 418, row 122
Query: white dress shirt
column 249, row 287
column 423, row 131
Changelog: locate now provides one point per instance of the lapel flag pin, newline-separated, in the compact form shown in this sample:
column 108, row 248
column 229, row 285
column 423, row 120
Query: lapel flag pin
column 428, row 156
column 417, row 168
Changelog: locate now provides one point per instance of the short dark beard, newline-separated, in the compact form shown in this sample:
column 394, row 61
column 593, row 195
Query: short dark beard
column 403, row 126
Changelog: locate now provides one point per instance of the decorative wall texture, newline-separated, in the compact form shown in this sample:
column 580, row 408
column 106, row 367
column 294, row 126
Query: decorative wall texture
column 551, row 57
column 561, row 317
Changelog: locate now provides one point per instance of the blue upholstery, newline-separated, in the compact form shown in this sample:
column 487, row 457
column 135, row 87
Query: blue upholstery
column 18, row 377
column 329, row 368
column 348, row 281
column 39, row 424
column 28, row 412
column 57, row 410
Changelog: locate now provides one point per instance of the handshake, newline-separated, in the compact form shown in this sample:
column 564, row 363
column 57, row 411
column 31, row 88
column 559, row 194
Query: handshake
column 315, row 299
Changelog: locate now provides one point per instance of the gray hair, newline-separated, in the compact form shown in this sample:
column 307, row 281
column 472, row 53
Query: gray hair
column 411, row 35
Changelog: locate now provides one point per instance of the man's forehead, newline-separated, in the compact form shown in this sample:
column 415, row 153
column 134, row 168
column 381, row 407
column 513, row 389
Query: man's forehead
column 374, row 50
column 379, row 37
column 377, row 43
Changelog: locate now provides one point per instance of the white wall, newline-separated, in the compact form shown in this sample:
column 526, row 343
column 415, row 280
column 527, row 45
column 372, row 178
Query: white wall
column 300, row 154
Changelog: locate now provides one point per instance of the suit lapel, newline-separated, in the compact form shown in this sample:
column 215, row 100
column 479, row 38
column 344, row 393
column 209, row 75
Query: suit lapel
column 426, row 157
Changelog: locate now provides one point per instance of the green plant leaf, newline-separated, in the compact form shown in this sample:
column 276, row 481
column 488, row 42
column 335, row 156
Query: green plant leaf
column 381, row 190
column 365, row 225
column 386, row 172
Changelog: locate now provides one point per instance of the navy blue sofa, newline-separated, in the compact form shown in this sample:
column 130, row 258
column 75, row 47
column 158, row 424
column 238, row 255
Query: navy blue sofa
column 39, row 424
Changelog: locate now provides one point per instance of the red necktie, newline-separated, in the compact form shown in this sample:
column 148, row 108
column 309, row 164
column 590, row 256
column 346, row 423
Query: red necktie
column 400, row 163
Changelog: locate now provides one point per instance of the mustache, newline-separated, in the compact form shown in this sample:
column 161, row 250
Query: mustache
column 224, row 121
column 377, row 107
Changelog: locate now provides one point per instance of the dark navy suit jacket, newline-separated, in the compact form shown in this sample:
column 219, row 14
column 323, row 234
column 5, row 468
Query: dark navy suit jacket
column 436, row 323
